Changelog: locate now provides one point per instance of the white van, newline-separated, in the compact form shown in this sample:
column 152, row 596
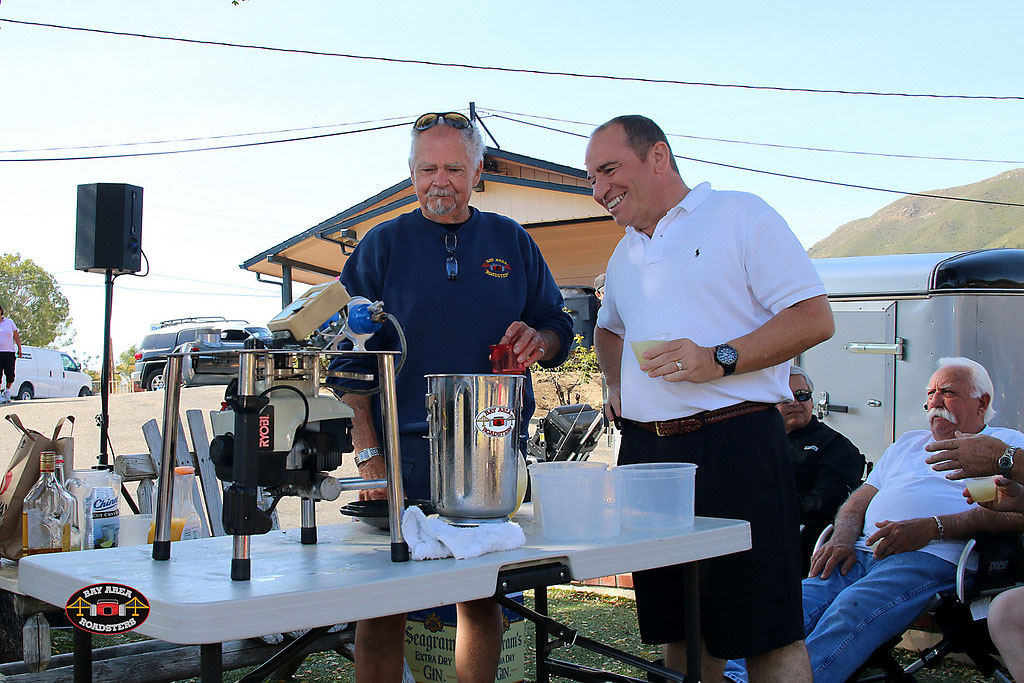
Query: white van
column 45, row 373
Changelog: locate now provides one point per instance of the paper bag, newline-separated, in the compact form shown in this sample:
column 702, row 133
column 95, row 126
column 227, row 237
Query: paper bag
column 22, row 473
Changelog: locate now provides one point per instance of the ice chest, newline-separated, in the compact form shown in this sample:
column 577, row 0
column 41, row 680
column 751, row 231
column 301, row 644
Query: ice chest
column 430, row 645
column 656, row 495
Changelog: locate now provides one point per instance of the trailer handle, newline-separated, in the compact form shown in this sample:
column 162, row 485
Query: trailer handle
column 822, row 408
column 888, row 349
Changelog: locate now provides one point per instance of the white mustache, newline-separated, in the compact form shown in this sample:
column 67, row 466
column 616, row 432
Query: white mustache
column 440, row 193
column 943, row 413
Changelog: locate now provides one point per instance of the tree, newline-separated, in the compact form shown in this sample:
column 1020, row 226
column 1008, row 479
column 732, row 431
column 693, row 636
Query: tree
column 125, row 365
column 579, row 368
column 32, row 298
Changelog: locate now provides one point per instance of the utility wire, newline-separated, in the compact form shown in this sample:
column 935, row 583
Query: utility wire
column 503, row 69
column 207, row 149
column 788, row 175
column 773, row 145
column 210, row 137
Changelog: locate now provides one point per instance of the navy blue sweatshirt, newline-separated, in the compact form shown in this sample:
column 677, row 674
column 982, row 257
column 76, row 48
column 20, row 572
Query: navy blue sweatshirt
column 449, row 324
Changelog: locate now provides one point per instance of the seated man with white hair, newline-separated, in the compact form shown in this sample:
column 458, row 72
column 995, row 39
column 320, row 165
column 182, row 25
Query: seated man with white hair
column 898, row 537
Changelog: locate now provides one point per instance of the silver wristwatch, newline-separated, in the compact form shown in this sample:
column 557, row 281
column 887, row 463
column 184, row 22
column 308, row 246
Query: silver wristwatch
column 1005, row 461
column 367, row 453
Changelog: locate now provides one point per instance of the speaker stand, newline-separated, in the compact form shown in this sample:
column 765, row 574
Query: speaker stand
column 105, row 372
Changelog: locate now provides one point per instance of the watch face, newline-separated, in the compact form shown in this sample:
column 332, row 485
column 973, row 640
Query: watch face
column 726, row 355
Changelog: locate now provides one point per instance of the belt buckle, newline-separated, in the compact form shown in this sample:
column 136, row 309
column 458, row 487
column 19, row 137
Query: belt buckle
column 657, row 428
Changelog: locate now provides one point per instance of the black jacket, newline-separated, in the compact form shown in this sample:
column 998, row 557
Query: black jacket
column 827, row 467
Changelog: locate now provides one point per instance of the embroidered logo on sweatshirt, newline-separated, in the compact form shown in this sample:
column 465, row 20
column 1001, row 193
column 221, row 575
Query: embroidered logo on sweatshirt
column 496, row 267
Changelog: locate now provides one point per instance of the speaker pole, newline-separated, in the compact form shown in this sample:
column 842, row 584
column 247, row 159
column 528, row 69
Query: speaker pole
column 105, row 373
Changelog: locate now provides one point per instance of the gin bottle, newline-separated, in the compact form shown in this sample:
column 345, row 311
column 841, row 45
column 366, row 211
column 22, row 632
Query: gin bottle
column 47, row 513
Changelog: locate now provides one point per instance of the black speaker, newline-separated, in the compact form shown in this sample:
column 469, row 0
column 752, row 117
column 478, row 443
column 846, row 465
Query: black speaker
column 109, row 235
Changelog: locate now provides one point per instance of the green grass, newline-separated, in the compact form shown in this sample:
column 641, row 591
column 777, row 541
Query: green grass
column 608, row 619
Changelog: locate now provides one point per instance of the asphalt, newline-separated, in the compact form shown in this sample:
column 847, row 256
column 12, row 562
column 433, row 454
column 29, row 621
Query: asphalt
column 128, row 412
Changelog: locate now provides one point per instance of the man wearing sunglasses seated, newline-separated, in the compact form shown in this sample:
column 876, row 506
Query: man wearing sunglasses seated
column 458, row 280
column 826, row 464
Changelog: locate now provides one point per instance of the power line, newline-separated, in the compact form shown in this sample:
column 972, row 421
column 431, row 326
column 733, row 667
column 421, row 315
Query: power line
column 207, row 149
column 496, row 112
column 788, row 175
column 504, row 69
column 210, row 137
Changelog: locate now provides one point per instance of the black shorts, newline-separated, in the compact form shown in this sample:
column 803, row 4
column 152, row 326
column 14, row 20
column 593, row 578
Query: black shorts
column 750, row 601
column 7, row 361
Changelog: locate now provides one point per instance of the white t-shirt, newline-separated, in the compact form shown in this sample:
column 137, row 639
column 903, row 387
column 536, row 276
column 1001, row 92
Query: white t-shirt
column 908, row 488
column 7, row 330
column 719, row 266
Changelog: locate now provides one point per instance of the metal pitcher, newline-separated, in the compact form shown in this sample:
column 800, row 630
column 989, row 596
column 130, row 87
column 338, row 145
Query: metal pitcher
column 473, row 423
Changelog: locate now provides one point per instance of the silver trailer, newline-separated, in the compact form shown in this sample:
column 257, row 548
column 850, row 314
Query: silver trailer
column 895, row 317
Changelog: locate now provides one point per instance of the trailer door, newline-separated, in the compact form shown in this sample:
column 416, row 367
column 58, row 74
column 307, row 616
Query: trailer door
column 854, row 374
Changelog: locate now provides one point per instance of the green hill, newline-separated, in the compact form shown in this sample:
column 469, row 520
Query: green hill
column 918, row 225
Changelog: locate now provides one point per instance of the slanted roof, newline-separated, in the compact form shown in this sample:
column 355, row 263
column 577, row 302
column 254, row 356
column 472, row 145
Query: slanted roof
column 550, row 200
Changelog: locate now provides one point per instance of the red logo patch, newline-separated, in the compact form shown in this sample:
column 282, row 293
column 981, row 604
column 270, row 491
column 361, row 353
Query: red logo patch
column 496, row 267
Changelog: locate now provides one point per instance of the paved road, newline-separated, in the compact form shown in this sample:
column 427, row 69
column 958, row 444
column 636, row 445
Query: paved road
column 128, row 412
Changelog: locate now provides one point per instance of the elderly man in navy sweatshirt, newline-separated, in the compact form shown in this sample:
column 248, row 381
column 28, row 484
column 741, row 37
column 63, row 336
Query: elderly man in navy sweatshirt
column 458, row 280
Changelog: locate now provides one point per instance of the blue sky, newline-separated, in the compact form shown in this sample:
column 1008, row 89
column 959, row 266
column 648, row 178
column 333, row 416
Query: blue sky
column 207, row 212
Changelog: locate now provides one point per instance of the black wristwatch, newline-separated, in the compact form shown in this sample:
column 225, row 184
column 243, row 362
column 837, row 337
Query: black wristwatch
column 1005, row 461
column 726, row 356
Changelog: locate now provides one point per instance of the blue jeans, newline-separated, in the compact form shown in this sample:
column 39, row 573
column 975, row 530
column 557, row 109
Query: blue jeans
column 846, row 618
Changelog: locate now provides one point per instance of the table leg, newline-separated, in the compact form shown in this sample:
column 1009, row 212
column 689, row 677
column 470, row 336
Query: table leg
column 210, row 670
column 691, row 588
column 82, row 659
column 540, row 603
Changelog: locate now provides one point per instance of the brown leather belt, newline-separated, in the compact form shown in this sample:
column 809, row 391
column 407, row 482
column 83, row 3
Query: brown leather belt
column 693, row 423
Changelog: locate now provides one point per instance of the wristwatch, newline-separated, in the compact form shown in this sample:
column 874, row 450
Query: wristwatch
column 367, row 453
column 1005, row 461
column 726, row 356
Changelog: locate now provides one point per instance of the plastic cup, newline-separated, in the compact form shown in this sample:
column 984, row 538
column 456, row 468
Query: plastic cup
column 982, row 489
column 656, row 495
column 134, row 530
column 504, row 361
column 639, row 347
column 579, row 502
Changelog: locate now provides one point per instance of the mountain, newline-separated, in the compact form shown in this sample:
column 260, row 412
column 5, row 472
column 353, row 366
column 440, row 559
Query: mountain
column 918, row 225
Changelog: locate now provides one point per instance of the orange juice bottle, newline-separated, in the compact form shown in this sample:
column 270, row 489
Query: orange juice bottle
column 185, row 524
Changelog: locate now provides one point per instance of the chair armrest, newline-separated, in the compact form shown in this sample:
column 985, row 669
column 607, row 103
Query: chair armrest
column 961, row 569
column 822, row 537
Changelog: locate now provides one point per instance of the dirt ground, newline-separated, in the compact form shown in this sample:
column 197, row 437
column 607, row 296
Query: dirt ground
column 544, row 393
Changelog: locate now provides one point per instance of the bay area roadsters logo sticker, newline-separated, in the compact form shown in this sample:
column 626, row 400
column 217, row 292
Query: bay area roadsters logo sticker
column 107, row 608
column 496, row 421
column 496, row 267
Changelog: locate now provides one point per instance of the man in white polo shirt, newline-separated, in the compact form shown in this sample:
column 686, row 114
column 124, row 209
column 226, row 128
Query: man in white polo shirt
column 721, row 283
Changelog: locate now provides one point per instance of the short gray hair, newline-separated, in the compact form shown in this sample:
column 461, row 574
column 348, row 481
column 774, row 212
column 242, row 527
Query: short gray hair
column 797, row 370
column 981, row 383
column 471, row 138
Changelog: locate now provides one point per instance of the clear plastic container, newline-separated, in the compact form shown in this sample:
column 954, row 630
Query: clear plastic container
column 185, row 525
column 580, row 502
column 656, row 495
column 553, row 466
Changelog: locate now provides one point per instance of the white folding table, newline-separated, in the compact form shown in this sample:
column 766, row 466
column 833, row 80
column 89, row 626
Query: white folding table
column 349, row 576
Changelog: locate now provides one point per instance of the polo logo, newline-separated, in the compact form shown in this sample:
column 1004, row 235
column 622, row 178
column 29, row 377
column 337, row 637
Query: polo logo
column 496, row 267
column 496, row 421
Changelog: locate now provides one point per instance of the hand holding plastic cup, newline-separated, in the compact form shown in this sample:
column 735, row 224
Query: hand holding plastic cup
column 505, row 361
column 982, row 489
column 639, row 347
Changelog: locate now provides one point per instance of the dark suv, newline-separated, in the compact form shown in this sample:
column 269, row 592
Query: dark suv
column 168, row 335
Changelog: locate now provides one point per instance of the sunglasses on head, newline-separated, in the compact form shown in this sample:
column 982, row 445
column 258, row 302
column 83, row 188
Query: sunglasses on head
column 451, row 118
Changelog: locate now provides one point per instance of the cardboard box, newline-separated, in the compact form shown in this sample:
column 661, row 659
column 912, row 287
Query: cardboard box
column 430, row 645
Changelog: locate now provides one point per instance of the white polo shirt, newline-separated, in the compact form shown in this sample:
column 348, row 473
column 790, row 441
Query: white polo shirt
column 7, row 330
column 719, row 266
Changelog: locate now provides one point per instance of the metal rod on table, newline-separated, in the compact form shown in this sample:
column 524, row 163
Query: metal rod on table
column 165, row 493
column 307, row 534
column 245, row 465
column 396, row 492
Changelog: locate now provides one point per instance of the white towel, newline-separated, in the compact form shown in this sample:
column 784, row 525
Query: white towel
column 431, row 539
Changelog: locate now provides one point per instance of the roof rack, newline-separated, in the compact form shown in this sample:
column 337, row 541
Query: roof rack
column 180, row 321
